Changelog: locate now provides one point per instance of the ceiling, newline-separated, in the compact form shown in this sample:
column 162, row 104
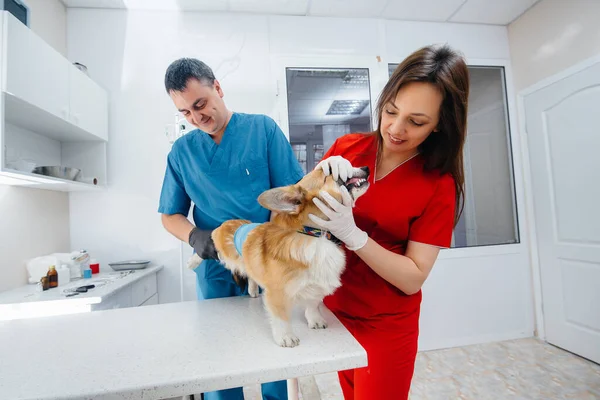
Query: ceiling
column 495, row 12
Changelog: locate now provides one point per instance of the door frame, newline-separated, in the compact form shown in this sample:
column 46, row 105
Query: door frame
column 534, row 252
column 378, row 76
column 515, row 157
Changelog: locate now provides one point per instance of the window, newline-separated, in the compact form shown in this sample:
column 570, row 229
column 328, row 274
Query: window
column 300, row 153
column 324, row 104
column 489, row 216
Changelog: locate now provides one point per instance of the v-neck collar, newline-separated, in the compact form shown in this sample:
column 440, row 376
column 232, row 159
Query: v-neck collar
column 392, row 170
column 219, row 150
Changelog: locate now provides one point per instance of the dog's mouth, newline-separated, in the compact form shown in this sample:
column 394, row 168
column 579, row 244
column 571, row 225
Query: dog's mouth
column 354, row 183
column 358, row 183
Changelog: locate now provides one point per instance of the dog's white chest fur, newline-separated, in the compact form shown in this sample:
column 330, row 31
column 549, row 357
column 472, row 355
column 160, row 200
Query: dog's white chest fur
column 326, row 263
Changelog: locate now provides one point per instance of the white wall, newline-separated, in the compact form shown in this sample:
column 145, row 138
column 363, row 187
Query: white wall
column 552, row 36
column 130, row 59
column 34, row 222
column 48, row 19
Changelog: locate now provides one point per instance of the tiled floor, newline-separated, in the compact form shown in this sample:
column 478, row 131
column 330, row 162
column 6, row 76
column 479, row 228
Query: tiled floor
column 518, row 369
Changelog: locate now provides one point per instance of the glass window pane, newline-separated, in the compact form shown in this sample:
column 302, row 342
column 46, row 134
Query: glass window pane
column 490, row 215
column 318, row 153
column 300, row 153
column 324, row 104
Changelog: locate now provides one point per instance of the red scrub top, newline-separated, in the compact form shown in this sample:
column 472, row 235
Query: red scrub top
column 407, row 204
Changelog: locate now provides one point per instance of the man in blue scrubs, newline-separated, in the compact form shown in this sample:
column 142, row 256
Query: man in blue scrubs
column 222, row 167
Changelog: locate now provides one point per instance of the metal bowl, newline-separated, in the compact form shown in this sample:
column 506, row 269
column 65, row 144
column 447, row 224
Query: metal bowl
column 57, row 171
column 129, row 264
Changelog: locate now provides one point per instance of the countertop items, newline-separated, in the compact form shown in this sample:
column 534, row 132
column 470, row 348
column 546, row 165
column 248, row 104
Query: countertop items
column 27, row 302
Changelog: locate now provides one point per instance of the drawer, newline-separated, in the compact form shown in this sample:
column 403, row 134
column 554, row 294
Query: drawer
column 143, row 289
column 151, row 301
column 121, row 299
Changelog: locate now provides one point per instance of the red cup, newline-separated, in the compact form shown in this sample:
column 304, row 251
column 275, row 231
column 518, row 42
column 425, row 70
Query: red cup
column 95, row 268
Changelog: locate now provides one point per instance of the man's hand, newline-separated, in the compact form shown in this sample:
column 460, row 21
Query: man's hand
column 203, row 244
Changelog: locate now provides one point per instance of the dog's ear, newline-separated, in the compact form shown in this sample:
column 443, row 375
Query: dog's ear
column 286, row 200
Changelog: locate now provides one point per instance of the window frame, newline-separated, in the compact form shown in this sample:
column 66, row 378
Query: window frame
column 378, row 77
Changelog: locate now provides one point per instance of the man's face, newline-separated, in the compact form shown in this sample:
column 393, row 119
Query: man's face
column 202, row 105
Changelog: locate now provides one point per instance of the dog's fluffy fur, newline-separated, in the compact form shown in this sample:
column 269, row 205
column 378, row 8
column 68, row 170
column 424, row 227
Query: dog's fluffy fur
column 291, row 267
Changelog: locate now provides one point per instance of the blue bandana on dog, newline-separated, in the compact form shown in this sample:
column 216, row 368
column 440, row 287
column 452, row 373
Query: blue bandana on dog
column 240, row 235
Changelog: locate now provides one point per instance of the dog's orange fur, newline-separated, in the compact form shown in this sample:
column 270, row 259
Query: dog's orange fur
column 275, row 254
column 269, row 249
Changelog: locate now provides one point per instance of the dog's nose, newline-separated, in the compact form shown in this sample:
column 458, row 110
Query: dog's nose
column 365, row 169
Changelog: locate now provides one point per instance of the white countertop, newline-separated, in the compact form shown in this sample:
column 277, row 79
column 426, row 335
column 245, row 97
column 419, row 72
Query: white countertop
column 163, row 351
column 26, row 301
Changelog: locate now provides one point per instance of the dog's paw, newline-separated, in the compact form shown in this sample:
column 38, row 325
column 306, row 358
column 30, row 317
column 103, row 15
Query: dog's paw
column 317, row 323
column 194, row 261
column 287, row 340
column 252, row 288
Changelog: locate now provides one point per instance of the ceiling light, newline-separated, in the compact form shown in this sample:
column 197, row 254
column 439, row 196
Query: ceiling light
column 347, row 107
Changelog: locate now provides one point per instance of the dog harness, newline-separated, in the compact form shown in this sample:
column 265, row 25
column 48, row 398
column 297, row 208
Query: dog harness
column 240, row 235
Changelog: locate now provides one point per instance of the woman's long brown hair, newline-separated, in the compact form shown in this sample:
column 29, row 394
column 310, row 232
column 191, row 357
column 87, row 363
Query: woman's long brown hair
column 442, row 150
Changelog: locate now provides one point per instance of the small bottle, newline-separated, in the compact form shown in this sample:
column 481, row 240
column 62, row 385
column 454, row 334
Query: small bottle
column 52, row 277
column 44, row 282
column 64, row 275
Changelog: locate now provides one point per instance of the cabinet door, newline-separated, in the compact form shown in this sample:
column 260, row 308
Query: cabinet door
column 151, row 301
column 143, row 289
column 35, row 72
column 120, row 299
column 88, row 104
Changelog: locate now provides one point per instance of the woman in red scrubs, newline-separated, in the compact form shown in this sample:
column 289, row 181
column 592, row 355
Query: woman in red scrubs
column 394, row 232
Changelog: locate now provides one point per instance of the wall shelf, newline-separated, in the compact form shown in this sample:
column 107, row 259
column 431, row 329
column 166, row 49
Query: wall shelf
column 51, row 114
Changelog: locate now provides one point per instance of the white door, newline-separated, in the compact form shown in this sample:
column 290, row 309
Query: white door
column 564, row 146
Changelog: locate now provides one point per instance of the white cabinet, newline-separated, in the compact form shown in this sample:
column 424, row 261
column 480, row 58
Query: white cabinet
column 35, row 72
column 143, row 289
column 88, row 104
column 47, row 102
column 143, row 292
column 151, row 301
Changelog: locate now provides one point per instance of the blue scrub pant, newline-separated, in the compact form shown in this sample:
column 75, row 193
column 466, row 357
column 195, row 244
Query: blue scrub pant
column 214, row 281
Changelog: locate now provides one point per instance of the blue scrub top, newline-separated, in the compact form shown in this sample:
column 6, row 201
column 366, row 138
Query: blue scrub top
column 225, row 180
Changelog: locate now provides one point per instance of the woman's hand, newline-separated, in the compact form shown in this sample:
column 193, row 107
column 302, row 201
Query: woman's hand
column 337, row 166
column 341, row 221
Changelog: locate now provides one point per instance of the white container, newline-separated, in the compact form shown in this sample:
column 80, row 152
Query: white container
column 67, row 259
column 38, row 267
column 64, row 275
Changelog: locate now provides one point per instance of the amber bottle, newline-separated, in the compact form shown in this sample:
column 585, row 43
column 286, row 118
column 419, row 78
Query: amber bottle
column 52, row 277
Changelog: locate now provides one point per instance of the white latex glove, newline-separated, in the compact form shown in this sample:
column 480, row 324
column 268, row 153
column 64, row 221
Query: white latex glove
column 338, row 166
column 341, row 221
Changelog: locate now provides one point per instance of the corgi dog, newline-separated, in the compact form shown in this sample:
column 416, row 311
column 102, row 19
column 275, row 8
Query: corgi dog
column 295, row 262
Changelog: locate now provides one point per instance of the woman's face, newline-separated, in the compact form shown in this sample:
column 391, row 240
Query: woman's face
column 410, row 118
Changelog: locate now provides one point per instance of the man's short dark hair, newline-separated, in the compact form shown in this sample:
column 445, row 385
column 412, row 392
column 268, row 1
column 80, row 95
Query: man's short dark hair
column 184, row 69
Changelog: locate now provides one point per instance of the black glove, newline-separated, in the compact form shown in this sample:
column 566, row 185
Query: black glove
column 202, row 242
